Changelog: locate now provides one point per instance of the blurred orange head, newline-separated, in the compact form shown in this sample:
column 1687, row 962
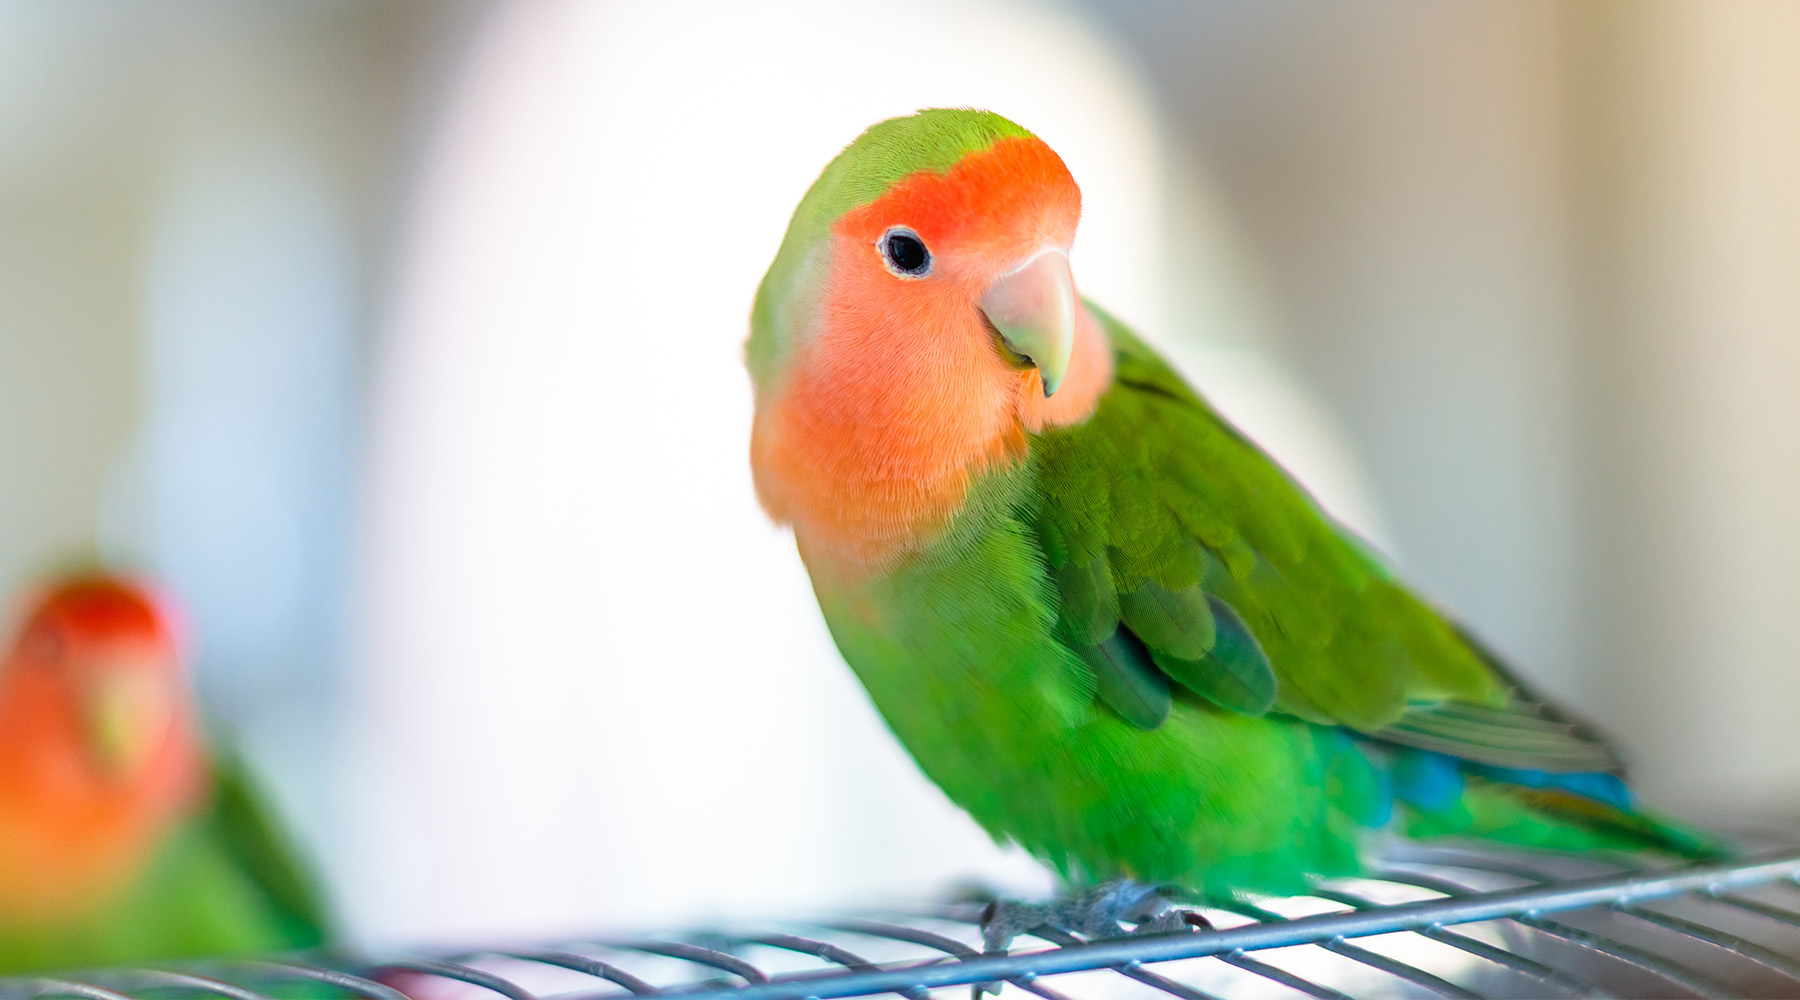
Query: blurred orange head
column 920, row 319
column 99, row 748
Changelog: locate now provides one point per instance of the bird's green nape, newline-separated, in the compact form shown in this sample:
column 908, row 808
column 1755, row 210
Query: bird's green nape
column 934, row 139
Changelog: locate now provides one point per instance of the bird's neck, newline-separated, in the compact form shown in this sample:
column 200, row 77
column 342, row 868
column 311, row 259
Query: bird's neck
column 868, row 465
column 71, row 837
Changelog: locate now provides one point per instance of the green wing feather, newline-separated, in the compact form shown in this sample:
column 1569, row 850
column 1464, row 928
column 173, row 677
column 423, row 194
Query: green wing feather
column 1127, row 680
column 1166, row 528
column 242, row 823
column 1528, row 732
column 1234, row 673
column 224, row 882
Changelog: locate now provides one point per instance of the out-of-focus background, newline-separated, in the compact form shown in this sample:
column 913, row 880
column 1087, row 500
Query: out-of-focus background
column 401, row 342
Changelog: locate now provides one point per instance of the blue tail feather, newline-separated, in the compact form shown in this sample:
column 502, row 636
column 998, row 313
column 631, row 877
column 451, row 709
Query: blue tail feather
column 1596, row 785
column 1433, row 782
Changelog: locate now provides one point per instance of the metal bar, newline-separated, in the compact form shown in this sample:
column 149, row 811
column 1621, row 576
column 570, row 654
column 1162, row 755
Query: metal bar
column 1401, row 970
column 45, row 987
column 700, row 956
column 1305, row 930
column 1282, row 976
column 366, row 988
column 944, row 943
column 1774, row 961
column 808, row 946
column 1568, row 983
column 1480, row 949
column 1244, row 907
column 1374, row 960
column 901, row 932
column 1174, row 987
column 1682, row 976
column 581, row 963
column 1779, row 914
column 162, row 978
column 1030, row 985
column 453, row 970
column 1691, row 978
column 1436, row 883
column 1131, row 970
column 830, row 953
column 1687, row 979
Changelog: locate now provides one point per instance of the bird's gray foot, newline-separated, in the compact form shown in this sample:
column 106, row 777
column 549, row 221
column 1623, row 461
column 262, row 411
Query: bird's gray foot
column 1098, row 912
column 1095, row 913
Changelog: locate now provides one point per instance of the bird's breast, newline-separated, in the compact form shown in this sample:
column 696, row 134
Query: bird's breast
column 869, row 462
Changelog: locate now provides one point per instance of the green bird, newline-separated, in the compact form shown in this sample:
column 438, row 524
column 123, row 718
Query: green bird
column 121, row 839
column 1101, row 619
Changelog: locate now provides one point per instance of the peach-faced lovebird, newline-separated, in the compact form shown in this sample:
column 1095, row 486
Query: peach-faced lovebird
column 1100, row 618
column 120, row 840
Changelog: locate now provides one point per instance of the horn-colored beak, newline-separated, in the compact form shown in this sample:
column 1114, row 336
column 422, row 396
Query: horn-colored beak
column 1033, row 308
column 127, row 714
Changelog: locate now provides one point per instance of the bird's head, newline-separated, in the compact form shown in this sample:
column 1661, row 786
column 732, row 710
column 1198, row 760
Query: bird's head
column 96, row 666
column 948, row 224
column 918, row 318
column 99, row 747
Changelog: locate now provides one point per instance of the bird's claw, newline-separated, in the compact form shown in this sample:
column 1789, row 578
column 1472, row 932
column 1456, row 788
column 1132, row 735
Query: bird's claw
column 1172, row 919
column 1095, row 914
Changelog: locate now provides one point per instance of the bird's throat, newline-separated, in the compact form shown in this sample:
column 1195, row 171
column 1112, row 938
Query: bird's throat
column 868, row 469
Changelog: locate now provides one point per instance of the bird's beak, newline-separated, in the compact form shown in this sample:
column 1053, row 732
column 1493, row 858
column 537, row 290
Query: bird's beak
column 1033, row 309
column 127, row 713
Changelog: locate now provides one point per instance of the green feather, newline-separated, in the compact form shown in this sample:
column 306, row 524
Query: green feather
column 1178, row 623
column 221, row 883
column 259, row 848
column 1090, row 607
column 1127, row 681
column 1235, row 673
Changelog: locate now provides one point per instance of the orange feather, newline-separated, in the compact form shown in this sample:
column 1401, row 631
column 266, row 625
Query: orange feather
column 898, row 395
column 74, row 825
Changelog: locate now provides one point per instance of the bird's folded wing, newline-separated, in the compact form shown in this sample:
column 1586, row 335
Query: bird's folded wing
column 1189, row 565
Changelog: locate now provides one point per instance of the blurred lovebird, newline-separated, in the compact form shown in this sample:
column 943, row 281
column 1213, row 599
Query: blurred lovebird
column 121, row 840
column 1100, row 618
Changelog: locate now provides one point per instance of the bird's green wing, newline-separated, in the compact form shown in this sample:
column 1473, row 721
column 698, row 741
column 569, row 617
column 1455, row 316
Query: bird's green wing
column 223, row 882
column 242, row 825
column 1189, row 565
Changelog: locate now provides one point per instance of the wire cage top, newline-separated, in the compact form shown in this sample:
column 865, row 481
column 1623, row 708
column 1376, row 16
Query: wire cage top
column 1444, row 922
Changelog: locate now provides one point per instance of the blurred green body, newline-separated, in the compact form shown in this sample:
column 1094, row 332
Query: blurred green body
column 222, row 882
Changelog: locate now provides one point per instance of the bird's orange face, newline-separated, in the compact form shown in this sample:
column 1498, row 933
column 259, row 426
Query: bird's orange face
column 948, row 326
column 98, row 744
column 974, row 260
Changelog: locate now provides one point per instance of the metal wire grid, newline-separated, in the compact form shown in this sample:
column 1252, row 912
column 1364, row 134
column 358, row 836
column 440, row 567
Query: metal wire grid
column 1435, row 923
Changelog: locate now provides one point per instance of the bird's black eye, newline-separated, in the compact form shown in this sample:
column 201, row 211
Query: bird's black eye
column 905, row 252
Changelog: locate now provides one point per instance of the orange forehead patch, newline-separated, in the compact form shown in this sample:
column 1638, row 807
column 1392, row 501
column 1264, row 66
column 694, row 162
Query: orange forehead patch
column 99, row 606
column 1015, row 189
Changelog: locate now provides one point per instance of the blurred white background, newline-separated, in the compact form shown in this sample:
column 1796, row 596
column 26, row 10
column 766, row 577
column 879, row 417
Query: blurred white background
column 402, row 341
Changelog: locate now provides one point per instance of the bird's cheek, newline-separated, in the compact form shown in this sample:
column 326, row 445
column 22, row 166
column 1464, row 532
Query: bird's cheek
column 128, row 715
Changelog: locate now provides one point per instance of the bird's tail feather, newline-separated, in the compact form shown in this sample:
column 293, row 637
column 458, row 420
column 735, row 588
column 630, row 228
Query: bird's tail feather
column 1559, row 819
